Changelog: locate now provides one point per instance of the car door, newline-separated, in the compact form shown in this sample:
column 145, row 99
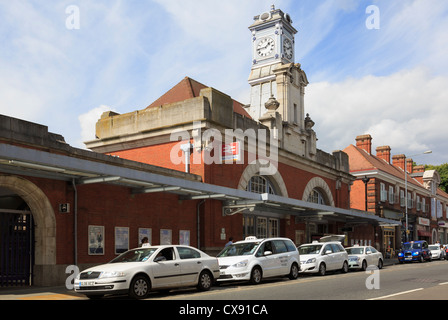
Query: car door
column 166, row 269
column 267, row 258
column 190, row 265
column 338, row 253
column 370, row 256
column 282, row 256
column 329, row 257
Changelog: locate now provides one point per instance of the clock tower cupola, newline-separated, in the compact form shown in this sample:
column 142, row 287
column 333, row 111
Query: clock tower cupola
column 275, row 76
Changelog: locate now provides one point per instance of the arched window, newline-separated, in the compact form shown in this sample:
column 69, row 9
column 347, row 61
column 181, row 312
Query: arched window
column 259, row 184
column 256, row 224
column 316, row 196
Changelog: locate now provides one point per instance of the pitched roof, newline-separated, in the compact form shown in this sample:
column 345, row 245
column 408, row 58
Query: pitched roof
column 361, row 160
column 189, row 88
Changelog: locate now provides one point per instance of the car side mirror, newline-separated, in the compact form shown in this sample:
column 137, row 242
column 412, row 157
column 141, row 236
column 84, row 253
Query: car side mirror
column 328, row 252
column 267, row 253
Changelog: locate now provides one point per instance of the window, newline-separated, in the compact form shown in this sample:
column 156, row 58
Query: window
column 383, row 192
column 261, row 227
column 296, row 114
column 280, row 246
column 273, row 227
column 402, row 200
column 391, row 195
column 259, row 184
column 410, row 202
column 188, row 253
column 316, row 196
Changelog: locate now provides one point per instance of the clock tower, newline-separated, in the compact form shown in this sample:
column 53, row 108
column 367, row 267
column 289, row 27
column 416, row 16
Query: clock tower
column 275, row 76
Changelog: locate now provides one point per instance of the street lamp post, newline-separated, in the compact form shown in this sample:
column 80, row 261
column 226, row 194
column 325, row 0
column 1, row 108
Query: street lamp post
column 406, row 190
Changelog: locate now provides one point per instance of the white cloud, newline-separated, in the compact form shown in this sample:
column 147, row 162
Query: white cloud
column 406, row 110
column 88, row 121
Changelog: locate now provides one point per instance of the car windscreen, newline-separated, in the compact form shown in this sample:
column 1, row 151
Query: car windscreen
column 136, row 255
column 239, row 249
column 434, row 248
column 409, row 245
column 355, row 250
column 310, row 249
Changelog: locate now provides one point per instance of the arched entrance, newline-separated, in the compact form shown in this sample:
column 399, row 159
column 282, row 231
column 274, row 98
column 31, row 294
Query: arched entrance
column 261, row 224
column 42, row 214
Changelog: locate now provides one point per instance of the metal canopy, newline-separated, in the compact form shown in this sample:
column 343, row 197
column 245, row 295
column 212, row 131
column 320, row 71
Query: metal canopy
column 82, row 171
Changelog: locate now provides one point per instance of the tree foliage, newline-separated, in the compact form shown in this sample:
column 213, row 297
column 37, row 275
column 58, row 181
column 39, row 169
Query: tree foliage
column 443, row 172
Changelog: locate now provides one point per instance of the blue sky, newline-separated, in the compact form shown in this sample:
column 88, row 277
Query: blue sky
column 390, row 82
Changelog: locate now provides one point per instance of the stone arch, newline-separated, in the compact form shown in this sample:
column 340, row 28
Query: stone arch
column 43, row 215
column 254, row 169
column 318, row 183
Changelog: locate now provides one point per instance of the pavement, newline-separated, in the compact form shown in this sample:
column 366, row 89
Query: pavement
column 59, row 293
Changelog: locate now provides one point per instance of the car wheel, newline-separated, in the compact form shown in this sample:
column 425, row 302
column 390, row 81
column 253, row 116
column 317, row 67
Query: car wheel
column 380, row 264
column 140, row 287
column 294, row 273
column 364, row 265
column 205, row 281
column 345, row 267
column 322, row 269
column 256, row 275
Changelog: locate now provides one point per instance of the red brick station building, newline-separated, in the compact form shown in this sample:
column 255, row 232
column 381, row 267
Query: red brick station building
column 171, row 173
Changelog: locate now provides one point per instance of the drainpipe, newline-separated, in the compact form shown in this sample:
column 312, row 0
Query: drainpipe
column 186, row 148
column 75, row 224
column 198, row 225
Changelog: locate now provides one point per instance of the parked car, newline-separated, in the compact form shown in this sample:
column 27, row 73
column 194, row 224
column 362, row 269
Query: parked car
column 414, row 251
column 360, row 257
column 254, row 259
column 437, row 252
column 136, row 272
column 320, row 257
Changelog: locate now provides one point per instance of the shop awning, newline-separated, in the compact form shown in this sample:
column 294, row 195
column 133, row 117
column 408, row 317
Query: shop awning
column 90, row 168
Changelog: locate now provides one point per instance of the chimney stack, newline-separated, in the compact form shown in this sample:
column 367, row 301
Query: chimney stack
column 364, row 142
column 398, row 160
column 410, row 165
column 383, row 152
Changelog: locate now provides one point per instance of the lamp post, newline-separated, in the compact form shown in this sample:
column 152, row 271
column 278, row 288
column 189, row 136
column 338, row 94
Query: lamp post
column 365, row 180
column 406, row 190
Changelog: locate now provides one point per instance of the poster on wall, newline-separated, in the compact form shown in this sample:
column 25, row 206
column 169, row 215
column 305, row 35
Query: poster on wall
column 166, row 236
column 121, row 239
column 96, row 240
column 184, row 237
column 144, row 233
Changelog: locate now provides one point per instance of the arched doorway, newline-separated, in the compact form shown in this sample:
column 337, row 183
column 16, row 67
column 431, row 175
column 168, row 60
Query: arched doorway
column 37, row 213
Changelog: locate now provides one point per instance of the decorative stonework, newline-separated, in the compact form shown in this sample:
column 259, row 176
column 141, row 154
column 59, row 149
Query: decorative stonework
column 254, row 169
column 320, row 184
column 43, row 214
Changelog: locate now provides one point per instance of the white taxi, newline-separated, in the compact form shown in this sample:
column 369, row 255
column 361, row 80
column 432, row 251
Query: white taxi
column 137, row 271
column 254, row 259
column 320, row 257
column 360, row 257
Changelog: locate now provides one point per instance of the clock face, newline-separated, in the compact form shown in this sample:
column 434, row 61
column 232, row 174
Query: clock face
column 265, row 47
column 287, row 48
